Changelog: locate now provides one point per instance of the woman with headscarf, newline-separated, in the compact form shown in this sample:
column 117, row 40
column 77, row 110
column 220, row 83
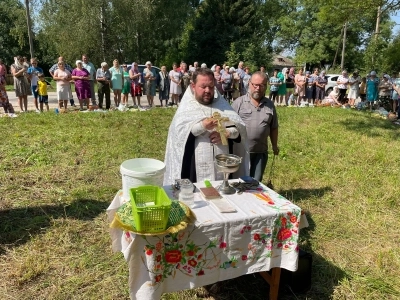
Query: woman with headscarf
column 175, row 87
column 21, row 84
column 136, row 79
column 163, row 85
column 81, row 76
column 117, row 81
column 103, row 78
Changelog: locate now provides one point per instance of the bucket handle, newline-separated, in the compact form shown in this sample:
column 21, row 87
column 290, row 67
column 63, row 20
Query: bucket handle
column 147, row 174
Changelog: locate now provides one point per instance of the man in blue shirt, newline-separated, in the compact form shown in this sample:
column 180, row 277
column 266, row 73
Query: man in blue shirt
column 33, row 72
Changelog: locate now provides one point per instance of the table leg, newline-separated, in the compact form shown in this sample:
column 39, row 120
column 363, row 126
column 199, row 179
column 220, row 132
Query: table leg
column 273, row 281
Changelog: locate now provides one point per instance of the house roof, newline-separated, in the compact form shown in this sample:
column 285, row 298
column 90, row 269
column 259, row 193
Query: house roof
column 280, row 60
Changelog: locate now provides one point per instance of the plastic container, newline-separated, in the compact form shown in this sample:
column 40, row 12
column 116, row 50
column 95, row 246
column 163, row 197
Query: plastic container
column 150, row 208
column 186, row 194
column 141, row 171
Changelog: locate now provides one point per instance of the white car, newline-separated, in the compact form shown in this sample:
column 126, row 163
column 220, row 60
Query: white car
column 332, row 78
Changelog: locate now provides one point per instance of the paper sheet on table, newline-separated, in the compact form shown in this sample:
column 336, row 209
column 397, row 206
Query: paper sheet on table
column 222, row 205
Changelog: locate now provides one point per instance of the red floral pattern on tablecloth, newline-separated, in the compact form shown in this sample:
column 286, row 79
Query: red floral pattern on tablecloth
column 178, row 252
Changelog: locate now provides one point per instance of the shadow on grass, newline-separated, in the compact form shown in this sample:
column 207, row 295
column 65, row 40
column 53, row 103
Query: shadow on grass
column 295, row 195
column 17, row 225
column 367, row 123
column 325, row 277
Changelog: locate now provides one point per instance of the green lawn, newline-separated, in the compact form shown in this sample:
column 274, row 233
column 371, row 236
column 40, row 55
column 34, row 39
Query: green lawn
column 58, row 174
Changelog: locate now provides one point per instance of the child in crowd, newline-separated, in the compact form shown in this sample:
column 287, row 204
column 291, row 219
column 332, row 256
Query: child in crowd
column 274, row 82
column 42, row 91
column 4, row 102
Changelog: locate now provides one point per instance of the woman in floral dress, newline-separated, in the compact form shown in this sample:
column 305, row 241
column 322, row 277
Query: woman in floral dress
column 4, row 102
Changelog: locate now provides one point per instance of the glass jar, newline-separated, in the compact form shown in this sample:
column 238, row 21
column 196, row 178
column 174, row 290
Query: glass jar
column 186, row 194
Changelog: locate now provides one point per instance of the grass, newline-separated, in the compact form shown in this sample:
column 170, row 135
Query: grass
column 59, row 173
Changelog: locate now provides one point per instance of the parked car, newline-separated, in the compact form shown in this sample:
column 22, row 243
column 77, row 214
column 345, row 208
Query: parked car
column 332, row 78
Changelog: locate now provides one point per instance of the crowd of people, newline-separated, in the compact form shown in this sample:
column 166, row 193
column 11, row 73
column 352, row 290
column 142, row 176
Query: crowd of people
column 286, row 87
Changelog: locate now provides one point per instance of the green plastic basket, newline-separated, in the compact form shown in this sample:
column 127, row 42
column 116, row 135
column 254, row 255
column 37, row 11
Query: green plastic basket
column 150, row 208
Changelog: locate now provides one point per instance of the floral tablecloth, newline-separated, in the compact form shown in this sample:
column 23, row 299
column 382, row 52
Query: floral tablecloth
column 261, row 235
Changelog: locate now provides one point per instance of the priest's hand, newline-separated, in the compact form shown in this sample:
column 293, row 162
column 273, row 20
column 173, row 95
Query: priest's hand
column 209, row 123
column 215, row 137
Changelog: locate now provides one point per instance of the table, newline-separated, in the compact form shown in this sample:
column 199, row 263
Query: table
column 260, row 236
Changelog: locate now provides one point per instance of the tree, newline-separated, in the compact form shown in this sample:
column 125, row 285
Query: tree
column 108, row 29
column 314, row 30
column 13, row 39
column 212, row 39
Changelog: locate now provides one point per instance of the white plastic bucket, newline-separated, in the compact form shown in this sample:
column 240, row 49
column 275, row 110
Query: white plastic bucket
column 141, row 171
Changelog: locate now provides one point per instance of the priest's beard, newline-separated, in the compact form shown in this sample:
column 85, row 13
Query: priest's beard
column 205, row 99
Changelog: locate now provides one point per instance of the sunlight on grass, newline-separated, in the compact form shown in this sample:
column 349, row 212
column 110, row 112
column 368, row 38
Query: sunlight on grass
column 59, row 173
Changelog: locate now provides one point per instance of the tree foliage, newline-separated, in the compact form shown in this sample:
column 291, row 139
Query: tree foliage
column 223, row 31
column 127, row 30
column 13, row 38
column 210, row 31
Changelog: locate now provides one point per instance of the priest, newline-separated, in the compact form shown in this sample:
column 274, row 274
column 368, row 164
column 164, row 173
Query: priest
column 194, row 136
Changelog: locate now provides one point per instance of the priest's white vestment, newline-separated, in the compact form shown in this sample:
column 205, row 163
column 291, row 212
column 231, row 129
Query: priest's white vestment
column 189, row 113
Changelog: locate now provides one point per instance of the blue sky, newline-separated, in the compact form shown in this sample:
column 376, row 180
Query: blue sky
column 397, row 20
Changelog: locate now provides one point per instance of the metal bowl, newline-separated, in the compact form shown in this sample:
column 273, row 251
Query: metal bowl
column 227, row 163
